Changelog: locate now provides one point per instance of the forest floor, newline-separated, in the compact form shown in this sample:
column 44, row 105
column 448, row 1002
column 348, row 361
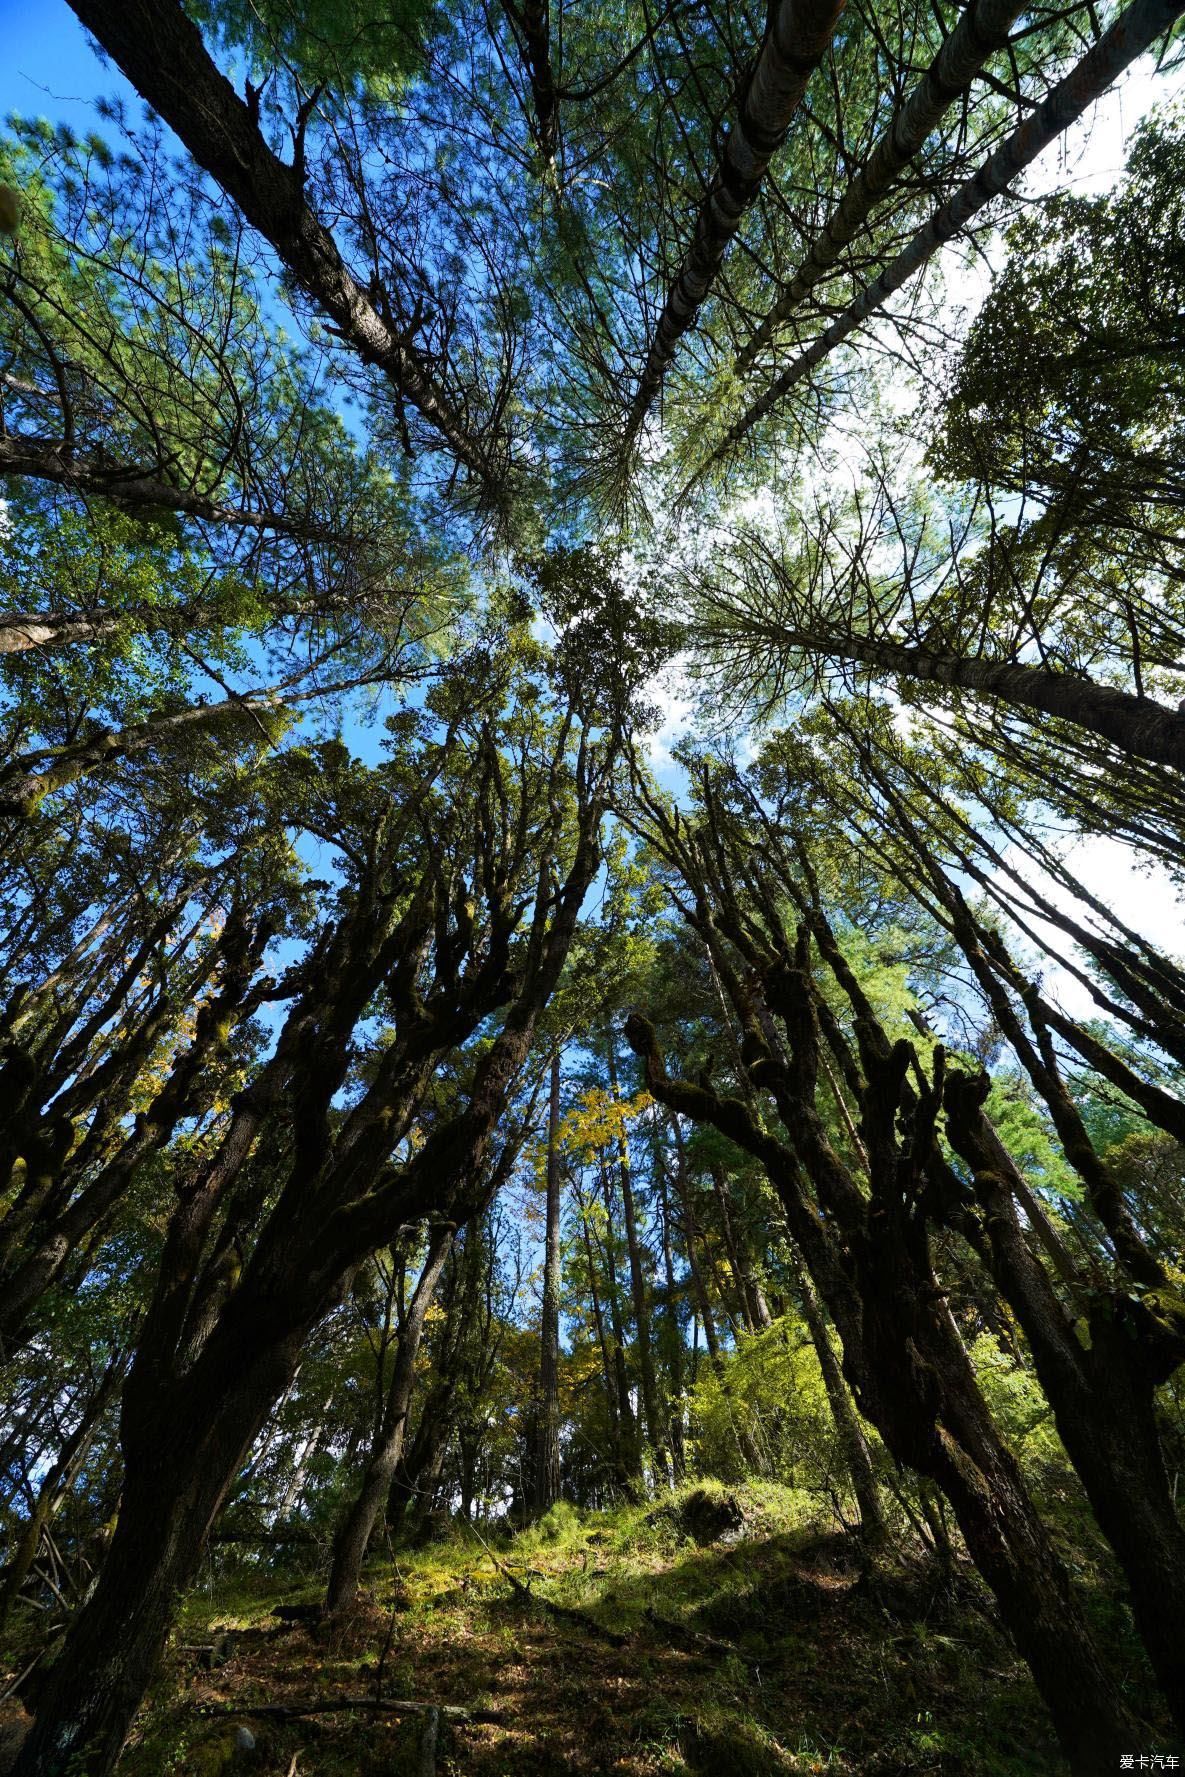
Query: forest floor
column 768, row 1650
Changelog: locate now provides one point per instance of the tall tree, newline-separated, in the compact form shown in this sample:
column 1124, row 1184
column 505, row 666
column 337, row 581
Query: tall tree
column 547, row 1450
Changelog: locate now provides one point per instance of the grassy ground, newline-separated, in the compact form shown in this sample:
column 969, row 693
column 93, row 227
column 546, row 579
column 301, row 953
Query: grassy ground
column 802, row 1664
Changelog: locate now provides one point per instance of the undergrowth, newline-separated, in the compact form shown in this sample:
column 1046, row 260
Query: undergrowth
column 764, row 1648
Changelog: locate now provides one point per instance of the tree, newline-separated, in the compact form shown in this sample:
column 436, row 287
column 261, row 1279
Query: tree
column 219, row 1344
column 886, row 1310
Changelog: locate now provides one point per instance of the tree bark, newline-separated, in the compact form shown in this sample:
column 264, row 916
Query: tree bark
column 628, row 1442
column 1137, row 725
column 873, row 1529
column 746, row 1442
column 57, row 1484
column 1103, row 1397
column 26, row 782
column 620, row 1465
column 22, row 630
column 162, row 53
column 982, row 29
column 912, row 1377
column 673, row 1332
column 291, row 1496
column 203, row 1379
column 532, row 23
column 52, row 459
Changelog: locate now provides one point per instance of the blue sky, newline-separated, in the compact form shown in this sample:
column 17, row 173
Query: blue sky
column 48, row 68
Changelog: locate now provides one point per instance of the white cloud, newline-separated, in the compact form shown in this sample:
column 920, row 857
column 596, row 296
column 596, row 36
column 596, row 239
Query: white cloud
column 671, row 694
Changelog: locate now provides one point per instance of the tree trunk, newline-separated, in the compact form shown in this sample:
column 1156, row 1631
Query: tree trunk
column 873, row 1529
column 746, row 1442
column 628, row 1441
column 611, row 1406
column 353, row 1536
column 796, row 40
column 20, row 630
column 673, row 1332
column 738, row 1263
column 413, row 1486
column 905, row 1361
column 639, row 1293
column 1103, row 1397
column 181, row 1457
column 51, row 459
column 547, row 1450
column 56, row 1486
column 982, row 29
column 691, row 1247
column 162, row 53
column 26, row 783
column 531, row 22
column 290, row 1498
column 1137, row 725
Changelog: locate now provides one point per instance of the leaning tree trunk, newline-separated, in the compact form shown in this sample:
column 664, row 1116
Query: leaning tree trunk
column 353, row 1537
column 27, row 781
column 56, row 1486
column 796, row 40
column 982, row 29
column 1103, row 1396
column 914, row 1382
column 182, row 1454
column 21, row 630
column 1127, row 37
column 1136, row 725
column 162, row 53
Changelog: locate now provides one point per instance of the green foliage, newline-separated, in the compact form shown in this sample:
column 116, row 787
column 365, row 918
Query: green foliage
column 1071, row 359
column 342, row 43
column 771, row 1387
column 1021, row 1411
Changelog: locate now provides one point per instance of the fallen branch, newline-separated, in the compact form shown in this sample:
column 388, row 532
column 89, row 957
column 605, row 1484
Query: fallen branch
column 704, row 1644
column 335, row 1705
column 566, row 1612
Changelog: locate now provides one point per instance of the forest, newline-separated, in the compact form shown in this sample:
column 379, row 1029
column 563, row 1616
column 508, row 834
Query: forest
column 592, row 824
